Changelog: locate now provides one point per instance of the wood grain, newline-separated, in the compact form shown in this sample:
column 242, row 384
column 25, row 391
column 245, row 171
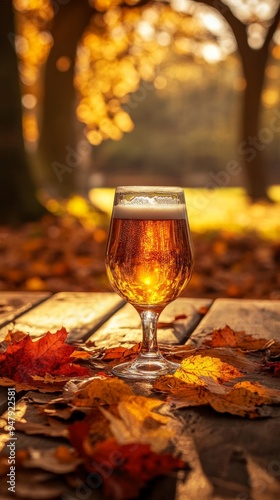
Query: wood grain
column 260, row 318
column 79, row 312
column 125, row 325
column 13, row 304
column 230, row 457
column 238, row 455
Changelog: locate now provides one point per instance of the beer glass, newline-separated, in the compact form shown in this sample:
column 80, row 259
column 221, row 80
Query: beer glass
column 149, row 263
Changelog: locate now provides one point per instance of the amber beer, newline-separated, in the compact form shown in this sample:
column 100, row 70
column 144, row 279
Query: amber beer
column 149, row 259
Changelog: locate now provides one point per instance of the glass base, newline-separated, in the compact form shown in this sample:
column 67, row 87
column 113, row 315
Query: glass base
column 145, row 367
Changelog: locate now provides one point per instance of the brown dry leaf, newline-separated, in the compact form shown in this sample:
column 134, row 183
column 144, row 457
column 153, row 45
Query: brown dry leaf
column 14, row 336
column 137, row 422
column 190, row 394
column 203, row 310
column 245, row 400
column 226, row 337
column 18, row 386
column 195, row 368
column 101, row 391
column 120, row 354
column 235, row 357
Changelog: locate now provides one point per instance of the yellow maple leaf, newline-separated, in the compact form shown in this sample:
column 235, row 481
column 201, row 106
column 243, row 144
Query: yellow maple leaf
column 107, row 391
column 195, row 368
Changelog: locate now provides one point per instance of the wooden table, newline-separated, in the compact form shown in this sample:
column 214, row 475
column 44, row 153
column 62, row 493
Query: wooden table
column 230, row 457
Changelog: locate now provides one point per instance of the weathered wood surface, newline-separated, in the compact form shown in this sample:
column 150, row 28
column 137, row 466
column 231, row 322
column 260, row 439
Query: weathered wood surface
column 125, row 325
column 230, row 457
column 260, row 318
column 13, row 304
column 240, row 458
column 80, row 313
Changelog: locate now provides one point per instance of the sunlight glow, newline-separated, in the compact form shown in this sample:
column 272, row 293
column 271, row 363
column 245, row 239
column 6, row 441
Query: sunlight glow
column 29, row 101
column 210, row 217
column 212, row 22
column 211, row 53
column 270, row 98
column 146, row 30
column 256, row 35
column 247, row 11
column 123, row 47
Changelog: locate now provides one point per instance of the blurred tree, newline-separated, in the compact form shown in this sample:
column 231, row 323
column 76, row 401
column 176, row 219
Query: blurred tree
column 94, row 62
column 58, row 152
column 18, row 201
column 254, row 58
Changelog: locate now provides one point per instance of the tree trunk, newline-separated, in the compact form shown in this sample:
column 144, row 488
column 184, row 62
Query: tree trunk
column 59, row 158
column 253, row 139
column 18, row 200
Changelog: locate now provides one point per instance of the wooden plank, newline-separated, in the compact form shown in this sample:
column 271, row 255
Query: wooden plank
column 230, row 457
column 125, row 326
column 237, row 455
column 260, row 318
column 79, row 312
column 13, row 304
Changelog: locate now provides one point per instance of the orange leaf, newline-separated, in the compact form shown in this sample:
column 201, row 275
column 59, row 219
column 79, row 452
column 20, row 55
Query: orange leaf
column 14, row 336
column 226, row 337
column 121, row 353
column 101, row 391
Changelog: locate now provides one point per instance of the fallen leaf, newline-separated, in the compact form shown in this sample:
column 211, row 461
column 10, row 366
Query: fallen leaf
column 101, row 391
column 194, row 368
column 86, row 434
column 172, row 323
column 14, row 336
column 121, row 353
column 245, row 399
column 80, row 354
column 235, row 357
column 137, row 421
column 125, row 469
column 203, row 310
column 26, row 360
column 226, row 337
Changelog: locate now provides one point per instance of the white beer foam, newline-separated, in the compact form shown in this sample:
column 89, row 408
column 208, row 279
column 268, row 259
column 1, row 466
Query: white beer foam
column 150, row 212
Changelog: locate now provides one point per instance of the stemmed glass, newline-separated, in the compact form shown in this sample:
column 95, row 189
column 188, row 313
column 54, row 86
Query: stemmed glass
column 149, row 263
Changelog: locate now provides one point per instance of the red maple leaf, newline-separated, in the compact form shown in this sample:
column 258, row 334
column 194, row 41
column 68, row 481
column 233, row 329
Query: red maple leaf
column 50, row 354
column 121, row 470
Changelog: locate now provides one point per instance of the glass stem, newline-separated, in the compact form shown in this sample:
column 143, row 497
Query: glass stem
column 149, row 321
